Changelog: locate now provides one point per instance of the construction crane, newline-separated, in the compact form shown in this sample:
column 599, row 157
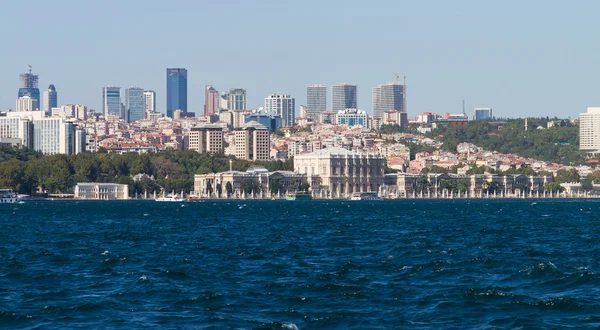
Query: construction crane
column 397, row 76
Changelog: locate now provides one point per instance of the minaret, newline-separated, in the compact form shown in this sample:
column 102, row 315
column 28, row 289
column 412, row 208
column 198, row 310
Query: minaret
column 525, row 123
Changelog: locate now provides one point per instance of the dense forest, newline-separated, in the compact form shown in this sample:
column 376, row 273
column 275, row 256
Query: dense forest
column 559, row 144
column 25, row 170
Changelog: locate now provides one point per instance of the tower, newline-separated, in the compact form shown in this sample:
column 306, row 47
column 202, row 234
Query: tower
column 316, row 101
column 176, row 90
column 29, row 86
column 283, row 105
column 50, row 99
column 237, row 99
column 388, row 97
column 134, row 106
column 211, row 100
column 343, row 97
column 111, row 100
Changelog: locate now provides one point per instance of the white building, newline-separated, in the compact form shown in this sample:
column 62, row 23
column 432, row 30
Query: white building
column 101, row 191
column 27, row 103
column 283, row 105
column 589, row 130
column 16, row 131
column 149, row 101
column 252, row 142
column 55, row 135
column 351, row 117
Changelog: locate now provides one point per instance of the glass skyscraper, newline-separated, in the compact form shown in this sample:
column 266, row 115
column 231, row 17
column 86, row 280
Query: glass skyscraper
column 388, row 97
column 176, row 90
column 237, row 99
column 316, row 100
column 343, row 97
column 50, row 99
column 483, row 113
column 29, row 86
column 111, row 100
column 134, row 104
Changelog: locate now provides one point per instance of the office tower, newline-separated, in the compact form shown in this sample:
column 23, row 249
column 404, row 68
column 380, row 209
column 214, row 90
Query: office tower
column 176, row 90
column 589, row 130
column 252, row 142
column 134, row 98
column 53, row 135
column 211, row 101
column 111, row 101
column 237, row 99
column 50, row 99
column 343, row 97
column 224, row 101
column 316, row 100
column 270, row 120
column 206, row 138
column 387, row 97
column 149, row 101
column 27, row 103
column 29, row 86
column 283, row 105
column 482, row 113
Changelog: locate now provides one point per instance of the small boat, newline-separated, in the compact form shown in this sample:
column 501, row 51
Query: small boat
column 8, row 196
column 365, row 196
column 193, row 198
column 298, row 196
column 169, row 198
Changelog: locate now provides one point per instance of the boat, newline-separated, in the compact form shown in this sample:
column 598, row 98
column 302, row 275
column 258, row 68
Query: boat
column 8, row 196
column 169, row 198
column 193, row 198
column 298, row 196
column 365, row 196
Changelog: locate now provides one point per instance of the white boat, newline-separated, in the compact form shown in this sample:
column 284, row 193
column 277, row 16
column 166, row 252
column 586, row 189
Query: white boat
column 8, row 196
column 366, row 196
column 169, row 198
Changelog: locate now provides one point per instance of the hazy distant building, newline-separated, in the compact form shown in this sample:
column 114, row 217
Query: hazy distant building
column 134, row 104
column 270, row 120
column 111, row 100
column 211, row 100
column 343, row 97
column 149, row 101
column 27, row 103
column 176, row 90
column 482, row 113
column 16, row 131
column 388, row 97
column 28, row 86
column 224, row 101
column 283, row 105
column 589, row 130
column 252, row 142
column 351, row 117
column 50, row 99
column 316, row 101
column 237, row 99
column 55, row 135
column 206, row 138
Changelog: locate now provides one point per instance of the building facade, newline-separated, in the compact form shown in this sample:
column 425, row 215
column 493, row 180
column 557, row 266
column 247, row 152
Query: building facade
column 252, row 142
column 284, row 106
column 28, row 86
column 394, row 117
column 589, row 130
column 343, row 96
column 206, row 138
column 351, row 117
column 177, row 91
column 111, row 100
column 54, row 135
column 316, row 101
column 16, row 131
column 482, row 113
column 50, row 99
column 27, row 103
column 134, row 104
column 388, row 97
column 236, row 99
column 101, row 191
column 211, row 101
column 268, row 119
column 149, row 101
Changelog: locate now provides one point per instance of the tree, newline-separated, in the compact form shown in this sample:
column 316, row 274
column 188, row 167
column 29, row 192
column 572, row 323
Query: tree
column 275, row 185
column 209, row 188
column 304, row 186
column 11, row 174
column 219, row 189
column 553, row 187
column 229, row 188
column 249, row 186
column 586, row 184
column 565, row 176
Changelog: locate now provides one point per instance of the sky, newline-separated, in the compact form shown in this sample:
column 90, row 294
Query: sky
column 522, row 58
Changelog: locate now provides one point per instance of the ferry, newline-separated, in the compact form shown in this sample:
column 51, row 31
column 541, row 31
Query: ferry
column 169, row 198
column 298, row 196
column 365, row 196
column 8, row 196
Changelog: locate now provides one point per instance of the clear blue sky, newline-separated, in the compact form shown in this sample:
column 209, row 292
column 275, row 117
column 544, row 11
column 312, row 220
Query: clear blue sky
column 522, row 58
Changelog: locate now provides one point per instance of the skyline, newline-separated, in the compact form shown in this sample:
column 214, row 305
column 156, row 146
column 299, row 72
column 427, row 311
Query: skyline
column 537, row 61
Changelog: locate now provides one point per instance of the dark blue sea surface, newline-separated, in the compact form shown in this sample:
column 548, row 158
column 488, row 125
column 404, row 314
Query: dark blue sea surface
column 425, row 264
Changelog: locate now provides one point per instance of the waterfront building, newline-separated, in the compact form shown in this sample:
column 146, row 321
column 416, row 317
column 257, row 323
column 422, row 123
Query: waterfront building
column 149, row 102
column 388, row 97
column 252, row 142
column 343, row 97
column 236, row 99
column 283, row 105
column 482, row 113
column 134, row 104
column 28, row 86
column 270, row 120
column 206, row 138
column 50, row 99
column 27, row 103
column 176, row 90
column 101, row 191
column 343, row 172
column 111, row 101
column 211, row 101
column 316, row 101
column 351, row 117
column 589, row 130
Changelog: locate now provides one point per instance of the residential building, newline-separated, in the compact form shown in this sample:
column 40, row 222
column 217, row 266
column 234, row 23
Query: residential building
column 237, row 99
column 224, row 101
column 206, row 138
column 388, row 97
column 589, row 130
column 149, row 102
column 316, row 101
column 283, row 105
column 482, row 113
column 211, row 101
column 111, row 101
column 395, row 117
column 134, row 104
column 50, row 99
column 101, row 191
column 27, row 103
column 351, row 117
column 53, row 135
column 176, row 90
column 252, row 142
column 29, row 86
column 343, row 97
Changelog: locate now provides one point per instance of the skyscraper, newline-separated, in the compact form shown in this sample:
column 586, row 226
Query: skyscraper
column 149, row 101
column 111, row 100
column 589, row 131
column 29, row 86
column 50, row 99
column 176, row 90
column 483, row 113
column 283, row 105
column 237, row 99
column 134, row 104
column 211, row 100
column 387, row 97
column 27, row 103
column 343, row 97
column 316, row 100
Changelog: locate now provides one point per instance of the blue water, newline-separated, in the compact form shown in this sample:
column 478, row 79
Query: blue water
column 452, row 264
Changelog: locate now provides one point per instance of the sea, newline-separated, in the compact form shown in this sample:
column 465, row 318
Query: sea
column 400, row 264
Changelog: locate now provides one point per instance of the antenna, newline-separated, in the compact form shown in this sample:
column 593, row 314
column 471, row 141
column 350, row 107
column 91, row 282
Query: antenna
column 29, row 65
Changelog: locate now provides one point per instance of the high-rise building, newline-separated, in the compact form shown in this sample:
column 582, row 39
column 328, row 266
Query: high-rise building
column 111, row 101
column 50, row 99
column 387, row 97
column 29, row 86
column 589, row 130
column 16, row 131
column 283, row 105
column 343, row 97
column 134, row 104
column 316, row 101
column 237, row 99
column 206, row 138
column 54, row 135
column 211, row 101
column 27, row 103
column 482, row 113
column 252, row 142
column 224, row 101
column 149, row 101
column 176, row 90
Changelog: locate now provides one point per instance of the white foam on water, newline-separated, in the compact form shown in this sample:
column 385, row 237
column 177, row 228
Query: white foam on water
column 106, row 252
column 290, row 326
